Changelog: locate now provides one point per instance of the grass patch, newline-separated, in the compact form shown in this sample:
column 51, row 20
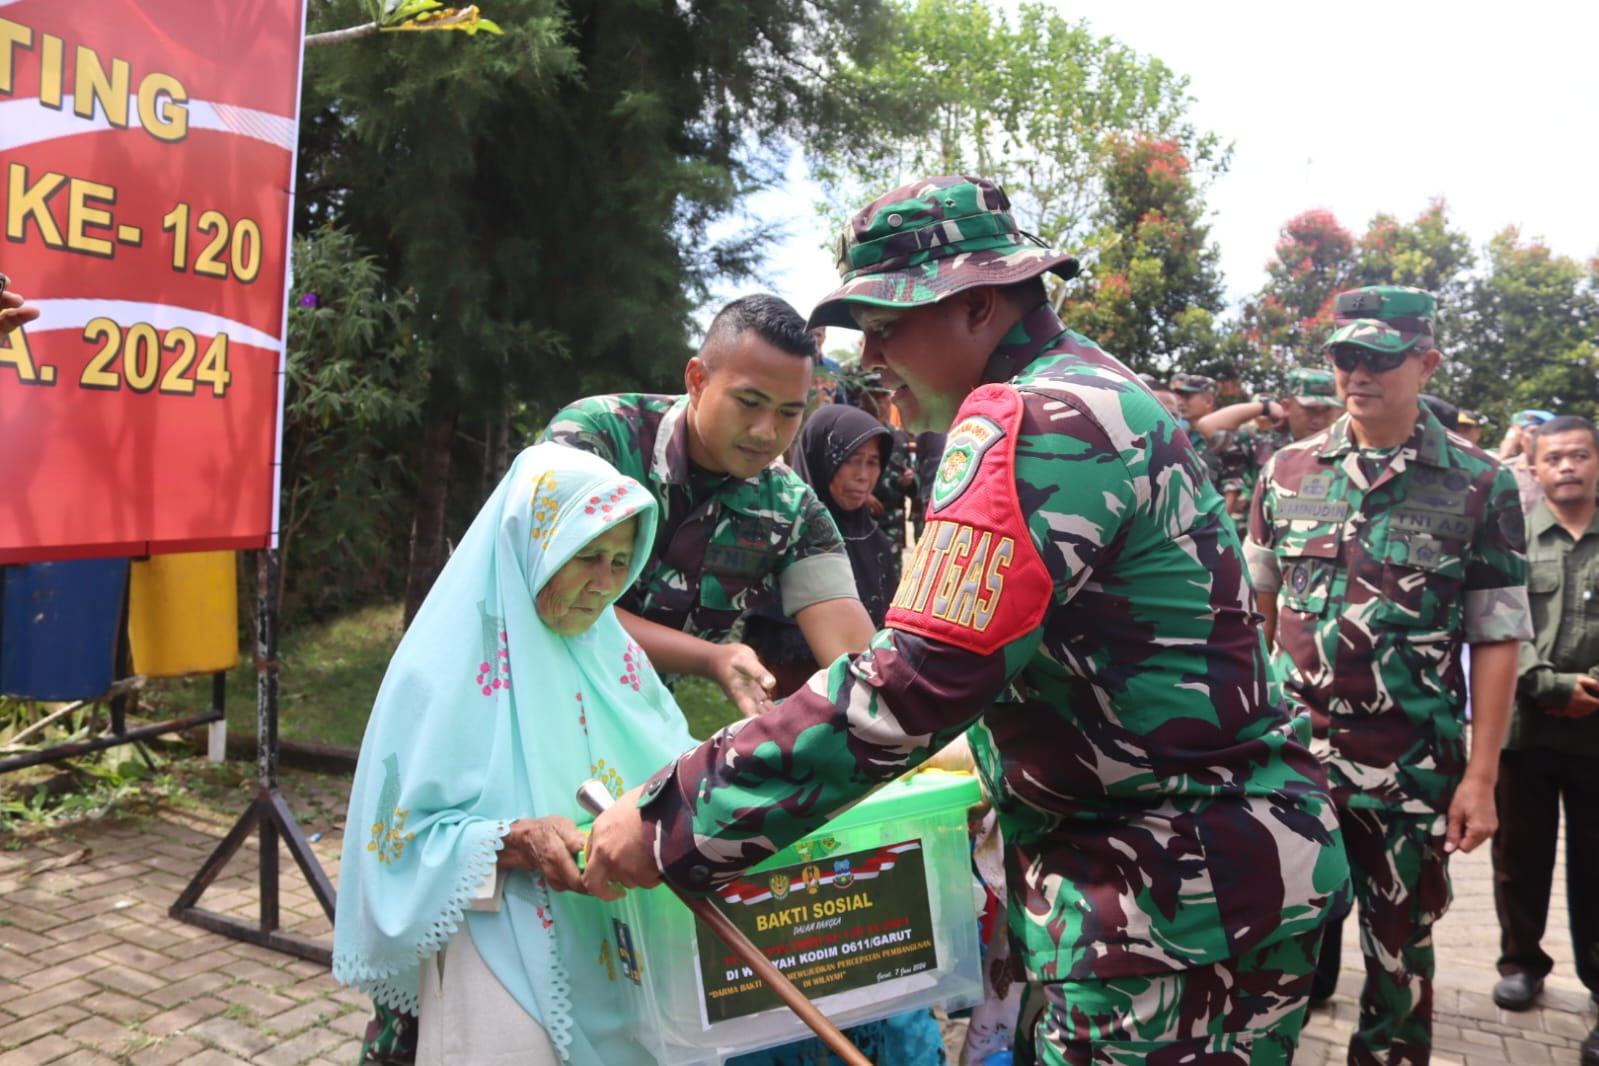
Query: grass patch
column 704, row 705
column 328, row 676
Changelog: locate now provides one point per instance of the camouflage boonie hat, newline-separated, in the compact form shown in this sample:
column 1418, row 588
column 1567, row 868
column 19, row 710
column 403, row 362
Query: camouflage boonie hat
column 1192, row 383
column 1312, row 388
column 1384, row 318
column 932, row 239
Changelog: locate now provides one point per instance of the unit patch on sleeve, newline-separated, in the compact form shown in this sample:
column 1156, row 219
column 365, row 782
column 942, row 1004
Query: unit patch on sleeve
column 975, row 579
column 964, row 449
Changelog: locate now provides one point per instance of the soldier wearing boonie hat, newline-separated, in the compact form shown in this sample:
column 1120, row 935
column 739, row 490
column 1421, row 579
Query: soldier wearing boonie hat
column 1074, row 547
column 1378, row 548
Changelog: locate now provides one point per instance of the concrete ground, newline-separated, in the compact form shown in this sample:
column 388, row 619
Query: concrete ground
column 92, row 970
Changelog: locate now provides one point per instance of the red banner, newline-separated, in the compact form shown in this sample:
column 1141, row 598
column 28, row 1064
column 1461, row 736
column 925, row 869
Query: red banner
column 146, row 179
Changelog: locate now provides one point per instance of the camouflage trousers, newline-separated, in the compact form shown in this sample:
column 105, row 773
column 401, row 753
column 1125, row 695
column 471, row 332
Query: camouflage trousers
column 1244, row 1011
column 1400, row 875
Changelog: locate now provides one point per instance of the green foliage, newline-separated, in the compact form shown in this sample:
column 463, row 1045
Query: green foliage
column 1153, row 295
column 352, row 398
column 1036, row 102
column 1426, row 254
column 547, row 194
column 1287, row 320
column 86, row 786
column 1518, row 332
column 427, row 14
column 1524, row 333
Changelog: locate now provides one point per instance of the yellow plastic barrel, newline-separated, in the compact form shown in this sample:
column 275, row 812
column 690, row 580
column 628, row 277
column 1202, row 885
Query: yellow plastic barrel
column 183, row 614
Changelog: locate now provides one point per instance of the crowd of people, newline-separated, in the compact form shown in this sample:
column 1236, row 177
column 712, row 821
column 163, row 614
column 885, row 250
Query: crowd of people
column 1214, row 665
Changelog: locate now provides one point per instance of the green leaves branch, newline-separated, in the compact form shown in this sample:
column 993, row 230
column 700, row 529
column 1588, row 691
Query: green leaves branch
column 389, row 16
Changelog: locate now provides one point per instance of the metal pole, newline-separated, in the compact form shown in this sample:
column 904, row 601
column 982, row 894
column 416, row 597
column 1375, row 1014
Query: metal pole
column 266, row 668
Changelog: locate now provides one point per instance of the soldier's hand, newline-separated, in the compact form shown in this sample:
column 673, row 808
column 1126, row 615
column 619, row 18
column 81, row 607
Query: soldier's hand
column 12, row 311
column 1584, row 698
column 1472, row 816
column 619, row 857
column 747, row 683
column 875, row 506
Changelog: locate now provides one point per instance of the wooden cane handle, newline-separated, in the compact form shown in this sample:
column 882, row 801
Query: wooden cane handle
column 594, row 797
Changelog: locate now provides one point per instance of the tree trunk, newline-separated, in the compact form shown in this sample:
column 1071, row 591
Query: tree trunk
column 496, row 449
column 428, row 548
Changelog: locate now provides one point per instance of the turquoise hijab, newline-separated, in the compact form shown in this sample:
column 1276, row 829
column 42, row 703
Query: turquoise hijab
column 486, row 715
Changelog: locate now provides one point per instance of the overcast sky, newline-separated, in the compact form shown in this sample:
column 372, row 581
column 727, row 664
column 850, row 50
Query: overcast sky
column 1354, row 108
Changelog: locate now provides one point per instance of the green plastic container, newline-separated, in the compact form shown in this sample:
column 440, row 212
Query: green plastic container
column 873, row 915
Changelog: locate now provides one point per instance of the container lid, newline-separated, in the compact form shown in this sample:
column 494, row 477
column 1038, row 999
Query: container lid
column 928, row 792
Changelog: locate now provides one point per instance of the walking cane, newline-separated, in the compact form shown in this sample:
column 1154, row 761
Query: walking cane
column 594, row 797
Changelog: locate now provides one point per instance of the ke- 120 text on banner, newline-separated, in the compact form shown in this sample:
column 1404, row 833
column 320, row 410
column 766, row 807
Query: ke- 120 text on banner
column 146, row 170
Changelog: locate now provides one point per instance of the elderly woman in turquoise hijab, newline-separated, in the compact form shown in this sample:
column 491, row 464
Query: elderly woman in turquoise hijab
column 514, row 684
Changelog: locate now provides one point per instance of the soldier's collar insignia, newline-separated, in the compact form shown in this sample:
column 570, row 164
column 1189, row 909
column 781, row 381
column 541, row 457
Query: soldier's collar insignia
column 964, row 449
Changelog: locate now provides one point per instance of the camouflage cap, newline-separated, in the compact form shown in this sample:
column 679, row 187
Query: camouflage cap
column 1384, row 318
column 932, row 239
column 1192, row 383
column 1312, row 388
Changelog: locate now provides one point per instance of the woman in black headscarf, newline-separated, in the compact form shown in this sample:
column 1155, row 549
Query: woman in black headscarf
column 840, row 453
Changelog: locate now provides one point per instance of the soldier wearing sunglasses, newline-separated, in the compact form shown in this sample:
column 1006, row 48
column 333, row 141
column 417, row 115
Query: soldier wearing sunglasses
column 1379, row 547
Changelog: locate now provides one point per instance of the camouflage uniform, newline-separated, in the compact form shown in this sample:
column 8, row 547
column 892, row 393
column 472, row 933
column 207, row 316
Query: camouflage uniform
column 1208, row 454
column 1079, row 600
column 1383, row 563
column 1243, row 452
column 725, row 545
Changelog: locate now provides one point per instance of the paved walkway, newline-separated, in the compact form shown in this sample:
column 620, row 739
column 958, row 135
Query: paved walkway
column 93, row 971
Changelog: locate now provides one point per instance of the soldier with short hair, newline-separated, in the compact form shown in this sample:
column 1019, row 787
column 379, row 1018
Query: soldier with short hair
column 738, row 529
column 1379, row 547
column 1196, row 395
column 1079, row 600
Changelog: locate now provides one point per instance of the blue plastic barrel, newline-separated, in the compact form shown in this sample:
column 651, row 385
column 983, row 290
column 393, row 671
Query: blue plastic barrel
column 58, row 628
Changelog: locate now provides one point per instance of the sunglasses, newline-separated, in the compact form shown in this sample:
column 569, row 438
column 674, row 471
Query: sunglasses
column 1347, row 357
